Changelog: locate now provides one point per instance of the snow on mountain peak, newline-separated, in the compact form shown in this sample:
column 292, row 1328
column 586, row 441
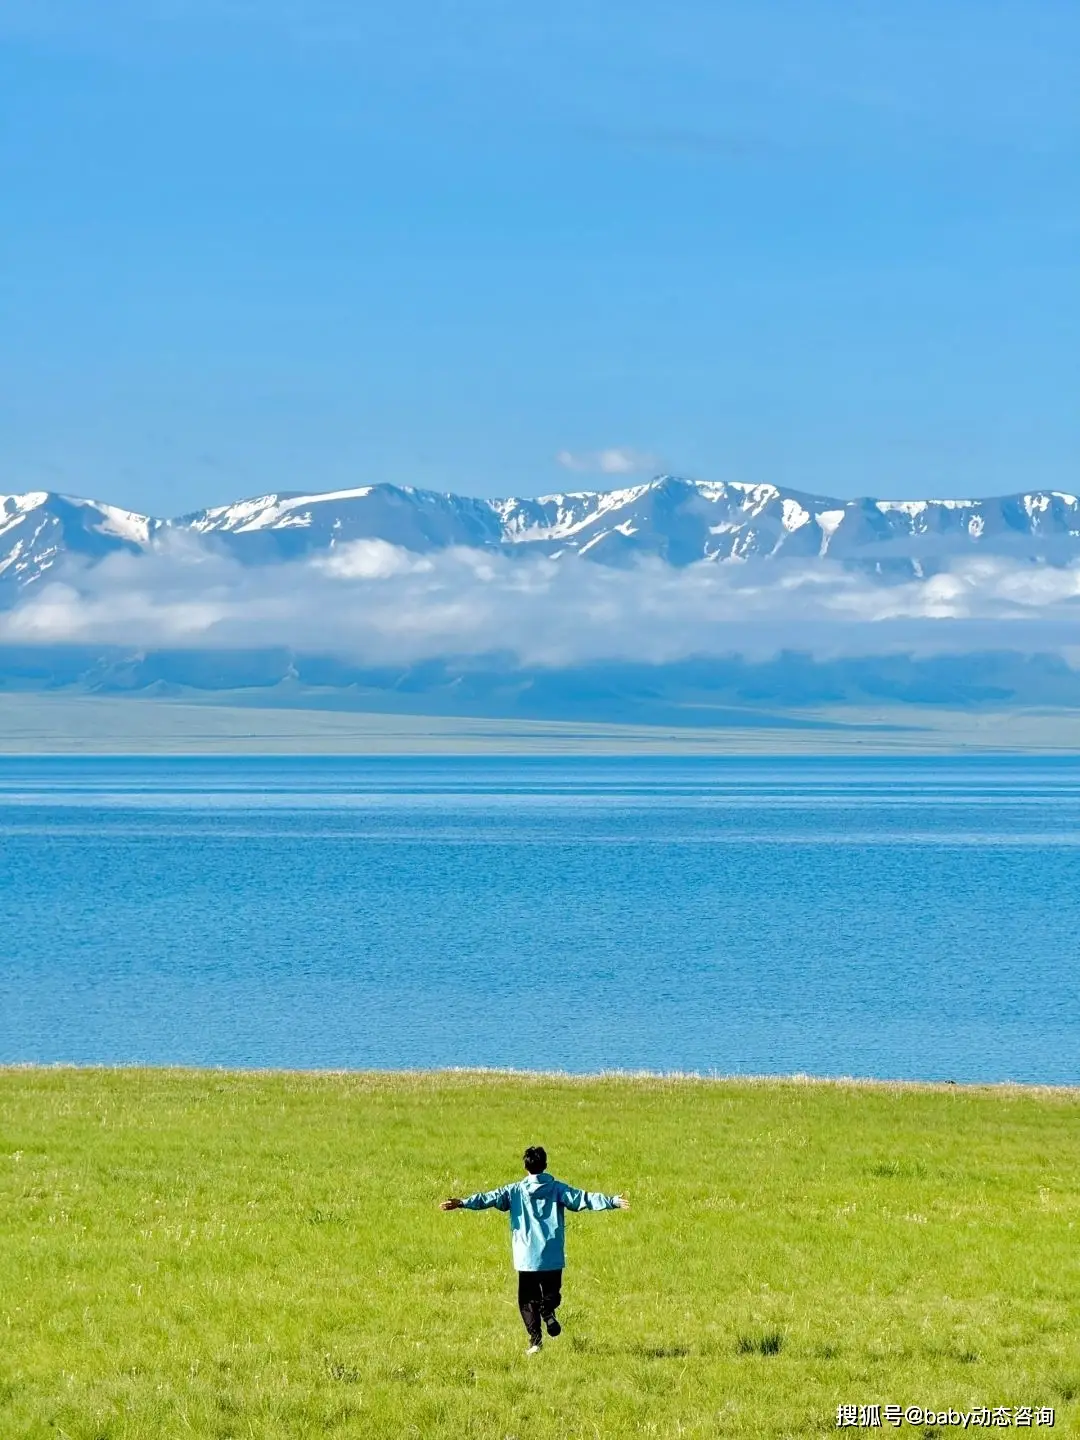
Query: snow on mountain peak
column 672, row 519
column 123, row 524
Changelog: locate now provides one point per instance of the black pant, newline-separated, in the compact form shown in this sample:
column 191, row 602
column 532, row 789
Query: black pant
column 539, row 1293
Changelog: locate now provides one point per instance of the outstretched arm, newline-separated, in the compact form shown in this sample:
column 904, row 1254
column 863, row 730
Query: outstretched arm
column 574, row 1199
column 482, row 1200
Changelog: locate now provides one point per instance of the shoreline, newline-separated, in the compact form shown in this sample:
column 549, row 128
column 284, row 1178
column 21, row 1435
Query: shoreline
column 796, row 1080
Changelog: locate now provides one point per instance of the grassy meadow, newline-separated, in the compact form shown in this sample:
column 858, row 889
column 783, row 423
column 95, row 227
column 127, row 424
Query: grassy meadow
column 214, row 1254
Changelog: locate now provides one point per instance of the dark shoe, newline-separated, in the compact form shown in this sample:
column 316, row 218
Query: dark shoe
column 553, row 1326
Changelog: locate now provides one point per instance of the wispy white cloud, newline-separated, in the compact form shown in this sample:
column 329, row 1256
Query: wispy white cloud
column 615, row 460
column 376, row 603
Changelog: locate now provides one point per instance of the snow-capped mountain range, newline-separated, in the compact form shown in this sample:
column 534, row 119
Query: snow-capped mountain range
column 675, row 520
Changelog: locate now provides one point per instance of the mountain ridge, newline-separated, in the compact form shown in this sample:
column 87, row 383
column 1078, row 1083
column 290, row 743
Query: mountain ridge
column 668, row 518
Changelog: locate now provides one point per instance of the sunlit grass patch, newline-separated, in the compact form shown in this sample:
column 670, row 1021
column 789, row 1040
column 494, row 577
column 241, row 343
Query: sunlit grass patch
column 260, row 1255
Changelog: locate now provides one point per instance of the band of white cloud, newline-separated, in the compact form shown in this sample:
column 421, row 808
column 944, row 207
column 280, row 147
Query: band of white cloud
column 376, row 603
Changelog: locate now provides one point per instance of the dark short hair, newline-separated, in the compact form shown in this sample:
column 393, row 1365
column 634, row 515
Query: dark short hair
column 535, row 1159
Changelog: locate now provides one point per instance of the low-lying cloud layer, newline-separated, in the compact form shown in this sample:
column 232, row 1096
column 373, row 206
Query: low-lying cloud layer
column 375, row 603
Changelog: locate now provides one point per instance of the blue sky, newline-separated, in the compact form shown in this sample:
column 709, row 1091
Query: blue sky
column 299, row 244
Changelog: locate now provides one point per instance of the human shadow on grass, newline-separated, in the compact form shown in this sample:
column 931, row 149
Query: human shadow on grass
column 640, row 1350
column 769, row 1344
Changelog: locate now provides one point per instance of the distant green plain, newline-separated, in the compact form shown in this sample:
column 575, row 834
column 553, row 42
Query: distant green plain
column 215, row 1254
column 237, row 723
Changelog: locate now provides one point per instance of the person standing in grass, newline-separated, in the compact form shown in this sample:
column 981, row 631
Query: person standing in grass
column 537, row 1206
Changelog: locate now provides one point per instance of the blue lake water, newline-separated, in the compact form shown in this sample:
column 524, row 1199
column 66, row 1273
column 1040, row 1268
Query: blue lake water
column 906, row 918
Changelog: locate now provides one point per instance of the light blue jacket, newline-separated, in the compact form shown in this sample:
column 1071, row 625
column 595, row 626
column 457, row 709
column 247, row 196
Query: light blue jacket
column 537, row 1205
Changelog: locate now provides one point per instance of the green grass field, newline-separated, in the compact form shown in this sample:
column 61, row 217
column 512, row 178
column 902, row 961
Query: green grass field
column 261, row 1255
